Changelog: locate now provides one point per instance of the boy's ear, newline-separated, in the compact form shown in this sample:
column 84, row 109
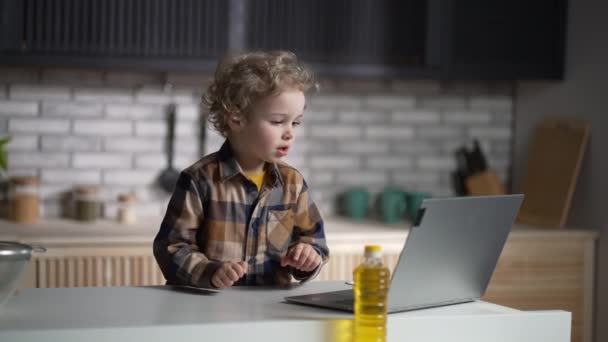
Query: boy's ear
column 235, row 121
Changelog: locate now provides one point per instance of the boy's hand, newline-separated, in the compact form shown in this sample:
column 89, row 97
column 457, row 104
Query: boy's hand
column 302, row 256
column 228, row 273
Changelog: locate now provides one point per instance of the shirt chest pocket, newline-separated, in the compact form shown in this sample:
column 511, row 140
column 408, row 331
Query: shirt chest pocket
column 279, row 227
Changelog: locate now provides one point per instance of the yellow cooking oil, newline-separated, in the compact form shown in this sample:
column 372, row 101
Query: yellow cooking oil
column 372, row 279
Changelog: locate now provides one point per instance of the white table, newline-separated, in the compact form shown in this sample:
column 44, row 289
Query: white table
column 249, row 314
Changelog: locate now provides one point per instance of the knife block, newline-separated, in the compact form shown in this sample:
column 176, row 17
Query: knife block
column 485, row 183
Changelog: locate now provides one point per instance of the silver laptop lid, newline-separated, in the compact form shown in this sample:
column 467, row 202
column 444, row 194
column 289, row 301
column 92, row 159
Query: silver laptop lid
column 451, row 254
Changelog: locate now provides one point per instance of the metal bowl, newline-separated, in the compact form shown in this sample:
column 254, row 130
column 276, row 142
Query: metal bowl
column 14, row 258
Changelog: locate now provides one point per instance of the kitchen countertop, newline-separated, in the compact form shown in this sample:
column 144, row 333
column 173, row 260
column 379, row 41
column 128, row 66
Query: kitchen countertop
column 67, row 231
column 337, row 229
column 160, row 313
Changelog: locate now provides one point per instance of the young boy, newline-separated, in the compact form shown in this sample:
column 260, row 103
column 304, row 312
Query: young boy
column 240, row 216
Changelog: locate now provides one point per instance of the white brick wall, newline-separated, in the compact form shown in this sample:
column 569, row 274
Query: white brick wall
column 105, row 127
column 415, row 148
column 23, row 143
column 134, row 145
column 393, row 102
column 72, row 126
column 436, row 163
column 321, row 178
column 502, row 117
column 183, row 161
column 187, row 145
column 39, row 92
column 443, row 102
column 72, row 109
column 186, row 129
column 39, row 126
column 155, row 96
column 37, row 159
column 409, row 178
column 318, row 116
column 71, row 143
column 51, row 191
column 338, row 162
column 127, row 78
column 101, row 160
column 491, row 102
column 389, row 132
column 151, row 128
column 319, row 146
column 416, row 117
column 333, row 132
column 466, row 118
column 133, row 177
column 443, row 132
column 498, row 133
column 388, row 163
column 70, row 176
column 335, row 101
column 18, row 108
column 362, row 117
column 361, row 178
column 150, row 161
column 104, row 95
column 21, row 170
column 190, row 96
column 213, row 141
column 500, row 148
column 136, row 111
column 187, row 112
column 363, row 147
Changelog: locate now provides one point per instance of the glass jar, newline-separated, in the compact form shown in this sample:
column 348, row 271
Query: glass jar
column 86, row 203
column 25, row 199
column 126, row 209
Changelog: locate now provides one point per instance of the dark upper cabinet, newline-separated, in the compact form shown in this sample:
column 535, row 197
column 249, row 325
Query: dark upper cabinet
column 441, row 39
column 149, row 34
column 444, row 39
column 513, row 39
column 334, row 34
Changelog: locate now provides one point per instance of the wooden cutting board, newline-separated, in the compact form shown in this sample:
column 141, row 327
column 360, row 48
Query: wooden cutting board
column 554, row 161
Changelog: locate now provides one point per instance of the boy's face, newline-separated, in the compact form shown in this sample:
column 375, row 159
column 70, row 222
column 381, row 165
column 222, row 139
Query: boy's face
column 269, row 130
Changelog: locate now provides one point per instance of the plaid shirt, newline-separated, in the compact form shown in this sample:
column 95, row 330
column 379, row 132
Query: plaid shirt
column 216, row 214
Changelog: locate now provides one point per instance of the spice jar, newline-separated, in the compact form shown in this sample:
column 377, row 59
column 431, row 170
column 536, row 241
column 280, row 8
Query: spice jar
column 126, row 209
column 86, row 203
column 25, row 199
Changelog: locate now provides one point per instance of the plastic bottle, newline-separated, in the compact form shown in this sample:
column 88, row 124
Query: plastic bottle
column 372, row 279
column 126, row 209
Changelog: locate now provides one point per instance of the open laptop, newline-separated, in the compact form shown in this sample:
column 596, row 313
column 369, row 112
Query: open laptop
column 449, row 255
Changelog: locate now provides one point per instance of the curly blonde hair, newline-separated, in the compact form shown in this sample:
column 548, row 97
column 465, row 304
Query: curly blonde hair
column 243, row 79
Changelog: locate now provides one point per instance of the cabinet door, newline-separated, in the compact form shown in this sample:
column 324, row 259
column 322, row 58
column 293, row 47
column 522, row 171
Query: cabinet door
column 149, row 33
column 547, row 273
column 503, row 39
column 388, row 32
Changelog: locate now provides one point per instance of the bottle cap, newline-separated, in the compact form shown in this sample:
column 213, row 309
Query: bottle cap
column 373, row 249
column 86, row 189
column 25, row 180
column 126, row 198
